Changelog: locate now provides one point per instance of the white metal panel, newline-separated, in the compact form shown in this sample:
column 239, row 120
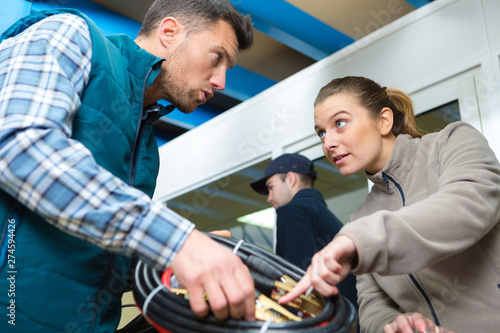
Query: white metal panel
column 492, row 12
column 427, row 45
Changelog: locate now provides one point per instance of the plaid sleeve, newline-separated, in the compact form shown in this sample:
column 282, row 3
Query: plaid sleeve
column 43, row 72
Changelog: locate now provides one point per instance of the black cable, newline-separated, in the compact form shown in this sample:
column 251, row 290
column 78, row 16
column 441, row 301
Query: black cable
column 171, row 313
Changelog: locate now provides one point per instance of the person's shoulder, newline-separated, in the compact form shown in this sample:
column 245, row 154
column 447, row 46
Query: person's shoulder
column 450, row 143
column 295, row 209
column 305, row 202
column 459, row 132
column 60, row 30
column 460, row 127
column 68, row 20
column 50, row 24
column 307, row 197
column 292, row 206
column 309, row 193
column 453, row 129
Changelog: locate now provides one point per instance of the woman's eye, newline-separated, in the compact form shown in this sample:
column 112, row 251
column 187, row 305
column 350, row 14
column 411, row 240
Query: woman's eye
column 321, row 134
column 340, row 123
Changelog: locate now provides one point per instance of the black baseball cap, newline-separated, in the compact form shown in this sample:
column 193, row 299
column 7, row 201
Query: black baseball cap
column 283, row 164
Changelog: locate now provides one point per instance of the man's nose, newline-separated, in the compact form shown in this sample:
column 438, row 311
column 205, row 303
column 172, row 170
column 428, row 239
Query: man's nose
column 218, row 79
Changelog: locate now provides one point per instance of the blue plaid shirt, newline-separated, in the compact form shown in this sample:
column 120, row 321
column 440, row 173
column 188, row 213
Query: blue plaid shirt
column 43, row 73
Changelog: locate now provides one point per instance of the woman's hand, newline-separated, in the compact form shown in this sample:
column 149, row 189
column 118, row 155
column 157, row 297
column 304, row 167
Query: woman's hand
column 328, row 267
column 406, row 324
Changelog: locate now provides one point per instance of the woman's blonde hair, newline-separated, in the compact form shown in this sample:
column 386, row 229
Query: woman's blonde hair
column 374, row 97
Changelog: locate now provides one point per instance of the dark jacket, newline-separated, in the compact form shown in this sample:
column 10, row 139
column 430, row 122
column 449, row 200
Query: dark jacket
column 304, row 226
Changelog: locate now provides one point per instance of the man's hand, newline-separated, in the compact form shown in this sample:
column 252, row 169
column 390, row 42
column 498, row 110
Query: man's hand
column 407, row 323
column 205, row 267
column 328, row 267
column 222, row 233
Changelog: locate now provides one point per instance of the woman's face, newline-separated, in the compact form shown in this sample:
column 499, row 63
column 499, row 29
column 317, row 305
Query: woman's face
column 351, row 138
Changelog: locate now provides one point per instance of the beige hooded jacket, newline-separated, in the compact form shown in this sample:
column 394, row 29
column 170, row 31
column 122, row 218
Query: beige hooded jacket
column 429, row 234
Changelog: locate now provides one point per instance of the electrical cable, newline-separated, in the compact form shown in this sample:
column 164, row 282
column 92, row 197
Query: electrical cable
column 171, row 313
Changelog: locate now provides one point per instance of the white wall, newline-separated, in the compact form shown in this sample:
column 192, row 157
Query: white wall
column 442, row 40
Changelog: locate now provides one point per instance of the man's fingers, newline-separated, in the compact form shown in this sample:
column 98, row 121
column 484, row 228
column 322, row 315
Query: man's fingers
column 222, row 233
column 247, row 292
column 235, row 301
column 197, row 302
column 238, row 288
column 216, row 298
column 210, row 270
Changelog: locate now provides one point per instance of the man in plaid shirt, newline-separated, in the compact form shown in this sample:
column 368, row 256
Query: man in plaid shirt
column 78, row 163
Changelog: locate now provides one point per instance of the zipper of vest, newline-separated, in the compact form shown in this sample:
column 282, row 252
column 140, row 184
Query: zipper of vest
column 386, row 179
column 138, row 135
column 146, row 119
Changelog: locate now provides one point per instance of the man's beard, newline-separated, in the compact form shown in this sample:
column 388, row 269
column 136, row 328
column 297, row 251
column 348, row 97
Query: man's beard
column 176, row 93
column 173, row 85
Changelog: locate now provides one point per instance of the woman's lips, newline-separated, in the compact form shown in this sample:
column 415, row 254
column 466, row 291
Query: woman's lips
column 340, row 158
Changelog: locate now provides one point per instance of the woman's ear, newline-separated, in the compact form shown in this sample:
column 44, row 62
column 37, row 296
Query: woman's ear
column 386, row 121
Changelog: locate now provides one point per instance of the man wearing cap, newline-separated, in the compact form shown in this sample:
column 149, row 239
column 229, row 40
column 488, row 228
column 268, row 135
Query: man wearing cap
column 304, row 224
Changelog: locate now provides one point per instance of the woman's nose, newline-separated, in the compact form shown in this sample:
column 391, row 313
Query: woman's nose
column 330, row 141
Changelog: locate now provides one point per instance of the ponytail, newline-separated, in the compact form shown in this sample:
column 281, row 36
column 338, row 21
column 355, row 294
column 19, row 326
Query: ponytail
column 403, row 106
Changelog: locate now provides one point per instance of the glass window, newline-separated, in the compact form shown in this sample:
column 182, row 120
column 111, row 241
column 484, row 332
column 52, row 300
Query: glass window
column 436, row 119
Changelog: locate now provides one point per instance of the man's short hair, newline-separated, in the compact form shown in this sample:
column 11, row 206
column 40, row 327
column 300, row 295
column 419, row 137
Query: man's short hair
column 199, row 15
column 305, row 180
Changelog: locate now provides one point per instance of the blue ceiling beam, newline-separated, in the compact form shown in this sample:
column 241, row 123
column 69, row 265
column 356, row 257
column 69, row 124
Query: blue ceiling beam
column 202, row 114
column 242, row 84
column 294, row 27
column 419, row 3
column 13, row 10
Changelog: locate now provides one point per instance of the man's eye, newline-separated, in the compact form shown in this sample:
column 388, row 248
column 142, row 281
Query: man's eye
column 217, row 57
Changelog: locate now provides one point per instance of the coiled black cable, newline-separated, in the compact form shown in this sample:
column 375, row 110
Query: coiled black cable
column 172, row 313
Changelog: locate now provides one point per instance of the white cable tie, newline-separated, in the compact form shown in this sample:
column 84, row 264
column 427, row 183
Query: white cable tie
column 238, row 245
column 150, row 297
column 265, row 326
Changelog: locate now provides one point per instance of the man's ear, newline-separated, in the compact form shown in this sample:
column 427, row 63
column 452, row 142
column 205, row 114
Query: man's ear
column 386, row 121
column 168, row 31
column 291, row 179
